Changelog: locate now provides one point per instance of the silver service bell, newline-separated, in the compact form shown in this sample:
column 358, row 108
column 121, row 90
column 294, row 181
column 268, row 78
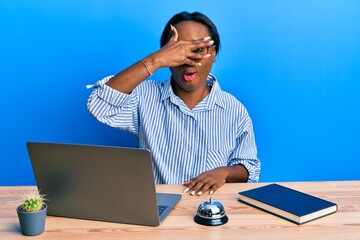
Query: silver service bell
column 211, row 213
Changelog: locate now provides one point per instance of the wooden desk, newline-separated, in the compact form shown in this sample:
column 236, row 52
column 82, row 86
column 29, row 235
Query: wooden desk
column 245, row 222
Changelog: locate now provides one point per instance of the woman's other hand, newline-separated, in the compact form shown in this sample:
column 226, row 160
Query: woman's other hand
column 212, row 180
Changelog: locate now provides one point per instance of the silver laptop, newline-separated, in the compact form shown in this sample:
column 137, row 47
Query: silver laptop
column 101, row 183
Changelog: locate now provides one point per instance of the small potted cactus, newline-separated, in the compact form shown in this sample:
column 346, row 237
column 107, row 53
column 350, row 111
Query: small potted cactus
column 32, row 214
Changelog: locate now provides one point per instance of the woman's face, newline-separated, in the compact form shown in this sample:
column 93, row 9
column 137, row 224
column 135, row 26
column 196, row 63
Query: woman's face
column 188, row 78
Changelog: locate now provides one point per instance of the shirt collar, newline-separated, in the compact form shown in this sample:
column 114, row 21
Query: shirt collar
column 214, row 97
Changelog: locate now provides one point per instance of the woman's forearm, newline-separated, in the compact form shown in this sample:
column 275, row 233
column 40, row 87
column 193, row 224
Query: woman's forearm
column 126, row 80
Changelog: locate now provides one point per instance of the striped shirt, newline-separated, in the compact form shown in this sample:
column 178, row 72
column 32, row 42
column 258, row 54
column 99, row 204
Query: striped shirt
column 184, row 143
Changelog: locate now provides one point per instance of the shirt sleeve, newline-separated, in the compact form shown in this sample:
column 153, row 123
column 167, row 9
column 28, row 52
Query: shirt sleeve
column 114, row 108
column 245, row 152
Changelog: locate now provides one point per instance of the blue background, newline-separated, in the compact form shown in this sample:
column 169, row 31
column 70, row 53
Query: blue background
column 295, row 65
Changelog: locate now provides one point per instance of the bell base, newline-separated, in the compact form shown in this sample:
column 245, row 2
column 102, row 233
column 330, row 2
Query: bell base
column 211, row 222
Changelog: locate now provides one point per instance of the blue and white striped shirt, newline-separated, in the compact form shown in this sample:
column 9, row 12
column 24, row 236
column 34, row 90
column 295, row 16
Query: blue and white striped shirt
column 184, row 143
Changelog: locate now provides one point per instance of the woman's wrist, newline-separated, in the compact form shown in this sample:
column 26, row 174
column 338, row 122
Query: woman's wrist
column 151, row 63
column 237, row 173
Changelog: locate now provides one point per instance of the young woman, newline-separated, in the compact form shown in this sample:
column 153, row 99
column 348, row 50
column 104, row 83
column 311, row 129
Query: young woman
column 199, row 135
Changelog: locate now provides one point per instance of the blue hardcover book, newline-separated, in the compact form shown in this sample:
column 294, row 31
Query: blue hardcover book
column 287, row 203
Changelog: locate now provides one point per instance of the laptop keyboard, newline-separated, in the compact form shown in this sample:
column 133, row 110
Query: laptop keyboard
column 161, row 209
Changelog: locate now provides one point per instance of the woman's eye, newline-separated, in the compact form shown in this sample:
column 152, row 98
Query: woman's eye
column 198, row 50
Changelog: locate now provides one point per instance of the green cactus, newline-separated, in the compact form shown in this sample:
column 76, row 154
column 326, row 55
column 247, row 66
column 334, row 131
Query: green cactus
column 33, row 202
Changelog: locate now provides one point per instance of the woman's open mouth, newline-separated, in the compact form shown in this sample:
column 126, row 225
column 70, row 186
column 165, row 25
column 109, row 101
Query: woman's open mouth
column 189, row 76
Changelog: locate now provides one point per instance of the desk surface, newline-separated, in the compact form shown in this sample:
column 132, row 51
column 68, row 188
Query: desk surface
column 245, row 222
